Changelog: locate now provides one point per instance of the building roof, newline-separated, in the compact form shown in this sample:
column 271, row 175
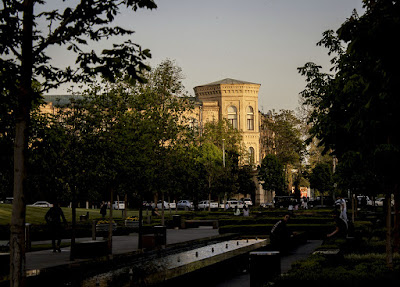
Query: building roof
column 60, row 99
column 229, row 81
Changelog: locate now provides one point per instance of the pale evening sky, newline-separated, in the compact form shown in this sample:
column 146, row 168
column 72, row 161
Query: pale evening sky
column 260, row 41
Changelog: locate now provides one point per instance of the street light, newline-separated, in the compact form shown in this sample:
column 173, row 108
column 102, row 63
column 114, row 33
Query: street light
column 223, row 151
column 223, row 161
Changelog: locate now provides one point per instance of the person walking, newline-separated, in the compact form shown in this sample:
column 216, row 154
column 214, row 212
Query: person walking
column 103, row 209
column 53, row 219
column 245, row 210
column 280, row 234
column 343, row 209
column 341, row 226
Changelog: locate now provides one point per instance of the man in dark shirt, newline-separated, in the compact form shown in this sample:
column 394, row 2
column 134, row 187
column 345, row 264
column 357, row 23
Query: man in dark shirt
column 341, row 226
column 280, row 234
column 53, row 218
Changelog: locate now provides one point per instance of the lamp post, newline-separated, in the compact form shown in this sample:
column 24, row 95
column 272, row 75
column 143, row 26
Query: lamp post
column 223, row 151
column 223, row 162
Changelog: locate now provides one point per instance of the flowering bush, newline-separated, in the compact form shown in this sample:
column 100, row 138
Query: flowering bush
column 132, row 218
column 104, row 222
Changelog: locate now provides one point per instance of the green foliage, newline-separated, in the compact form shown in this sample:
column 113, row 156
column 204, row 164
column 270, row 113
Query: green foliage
column 352, row 268
column 322, row 178
column 272, row 175
column 286, row 140
column 353, row 112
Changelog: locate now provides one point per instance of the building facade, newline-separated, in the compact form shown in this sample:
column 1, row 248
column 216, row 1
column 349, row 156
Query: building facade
column 236, row 101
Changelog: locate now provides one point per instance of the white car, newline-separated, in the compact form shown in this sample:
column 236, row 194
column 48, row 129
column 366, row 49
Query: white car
column 267, row 205
column 118, row 205
column 167, row 205
column 205, row 204
column 41, row 204
column 232, row 203
column 248, row 201
column 380, row 201
column 185, row 204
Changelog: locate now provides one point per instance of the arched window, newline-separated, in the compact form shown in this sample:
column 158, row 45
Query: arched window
column 250, row 118
column 232, row 116
column 251, row 156
column 194, row 123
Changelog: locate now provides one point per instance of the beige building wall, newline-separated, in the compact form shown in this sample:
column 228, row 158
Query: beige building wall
column 236, row 101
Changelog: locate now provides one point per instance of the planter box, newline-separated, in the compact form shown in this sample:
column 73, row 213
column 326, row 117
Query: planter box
column 132, row 224
column 103, row 227
column 4, row 263
column 91, row 249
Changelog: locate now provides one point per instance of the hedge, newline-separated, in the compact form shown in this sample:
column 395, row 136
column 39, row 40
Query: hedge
column 353, row 270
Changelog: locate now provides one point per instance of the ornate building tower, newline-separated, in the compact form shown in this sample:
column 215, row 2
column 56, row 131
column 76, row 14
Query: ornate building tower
column 236, row 101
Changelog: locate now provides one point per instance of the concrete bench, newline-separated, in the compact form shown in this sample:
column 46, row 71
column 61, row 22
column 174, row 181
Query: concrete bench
column 4, row 263
column 84, row 217
column 197, row 223
column 91, row 249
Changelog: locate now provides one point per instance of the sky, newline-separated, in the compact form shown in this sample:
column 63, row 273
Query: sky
column 259, row 41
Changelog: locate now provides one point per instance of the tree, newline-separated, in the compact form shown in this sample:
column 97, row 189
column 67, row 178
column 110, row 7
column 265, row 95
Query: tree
column 321, row 178
column 271, row 174
column 229, row 141
column 285, row 137
column 354, row 111
column 246, row 184
column 25, row 50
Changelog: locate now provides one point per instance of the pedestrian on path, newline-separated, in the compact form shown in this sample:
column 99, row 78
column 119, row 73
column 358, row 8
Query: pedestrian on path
column 245, row 210
column 343, row 209
column 53, row 219
column 341, row 226
column 280, row 234
column 103, row 209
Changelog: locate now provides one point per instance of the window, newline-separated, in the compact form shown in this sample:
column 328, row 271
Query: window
column 250, row 118
column 194, row 125
column 251, row 156
column 232, row 116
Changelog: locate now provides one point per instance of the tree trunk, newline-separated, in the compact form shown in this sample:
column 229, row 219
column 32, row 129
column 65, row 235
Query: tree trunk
column 110, row 223
column 209, row 193
column 126, row 205
column 22, row 118
column 162, row 209
column 140, row 242
column 396, row 230
column 73, row 225
column 389, row 250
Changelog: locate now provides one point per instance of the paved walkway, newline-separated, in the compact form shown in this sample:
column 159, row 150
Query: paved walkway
column 301, row 252
column 124, row 244
column 121, row 244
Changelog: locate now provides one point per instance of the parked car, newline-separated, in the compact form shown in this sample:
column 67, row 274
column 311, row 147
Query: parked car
column 9, row 200
column 185, row 204
column 379, row 201
column 232, row 203
column 267, row 205
column 326, row 201
column 118, row 205
column 41, row 204
column 171, row 205
column 284, row 201
column 146, row 204
column 205, row 203
column 362, row 200
column 247, row 201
